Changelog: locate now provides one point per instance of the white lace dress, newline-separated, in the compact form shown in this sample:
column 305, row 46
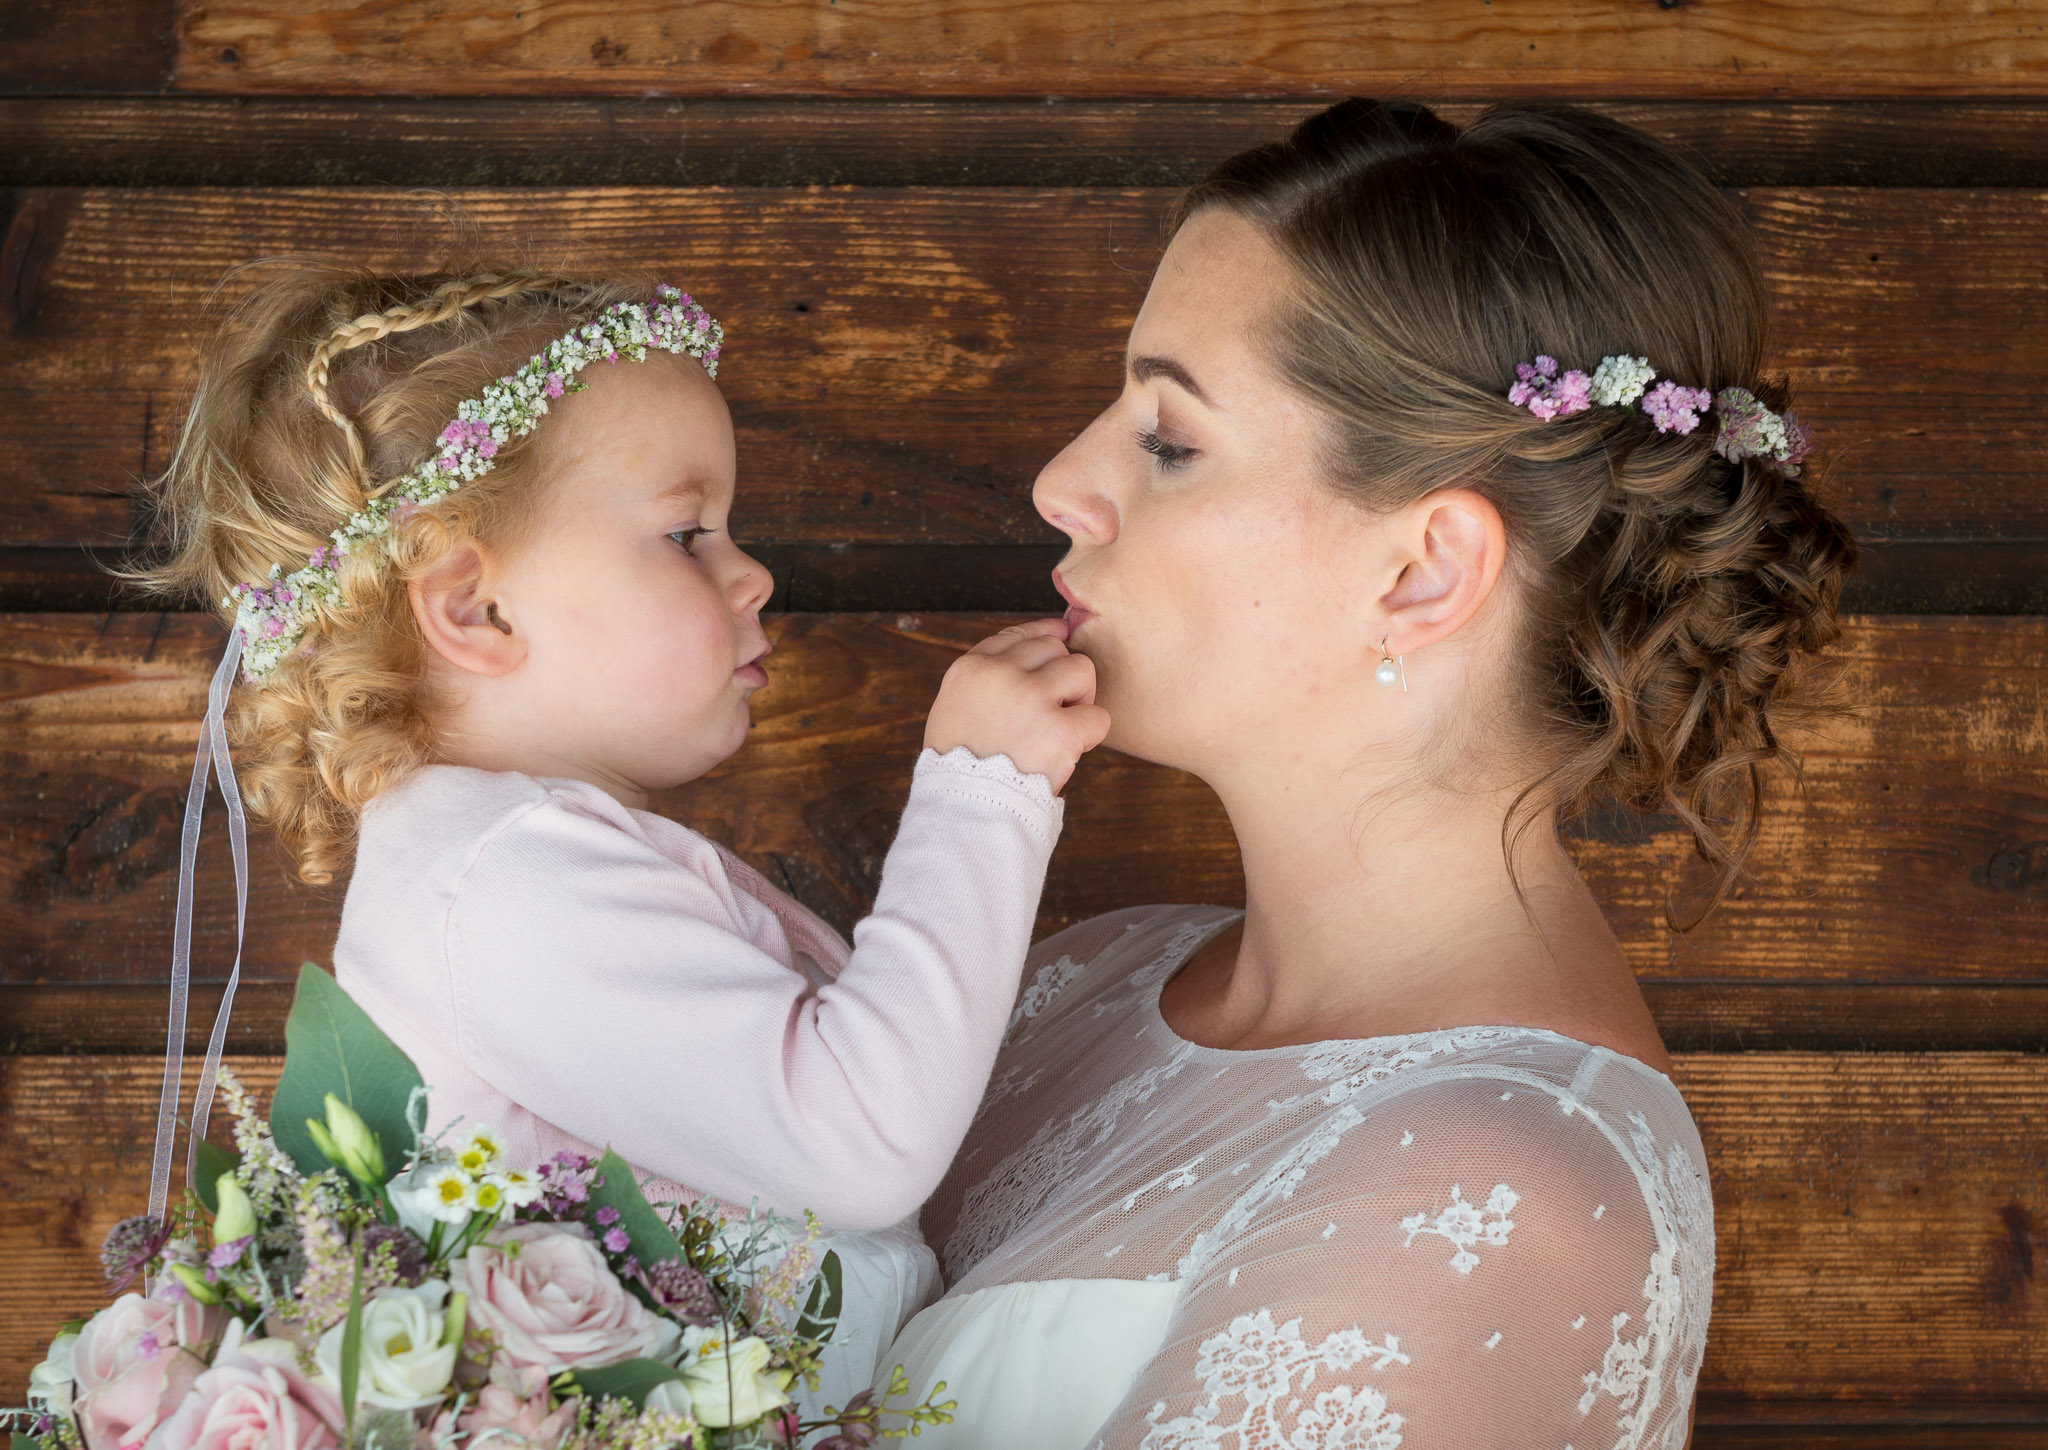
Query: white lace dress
column 1486, row 1237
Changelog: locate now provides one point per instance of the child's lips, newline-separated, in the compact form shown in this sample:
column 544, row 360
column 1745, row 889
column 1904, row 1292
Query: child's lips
column 751, row 672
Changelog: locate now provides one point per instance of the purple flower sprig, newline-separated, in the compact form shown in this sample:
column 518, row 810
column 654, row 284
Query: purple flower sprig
column 1543, row 391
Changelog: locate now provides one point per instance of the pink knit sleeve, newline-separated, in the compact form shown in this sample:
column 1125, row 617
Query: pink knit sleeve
column 598, row 984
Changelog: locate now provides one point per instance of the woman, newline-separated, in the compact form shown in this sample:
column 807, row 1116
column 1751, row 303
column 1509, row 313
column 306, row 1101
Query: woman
column 1390, row 1158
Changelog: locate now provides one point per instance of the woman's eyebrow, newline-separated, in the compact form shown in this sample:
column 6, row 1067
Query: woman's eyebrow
column 1145, row 368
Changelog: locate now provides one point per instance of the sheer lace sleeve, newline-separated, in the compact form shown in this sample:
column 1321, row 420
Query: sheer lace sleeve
column 1479, row 1259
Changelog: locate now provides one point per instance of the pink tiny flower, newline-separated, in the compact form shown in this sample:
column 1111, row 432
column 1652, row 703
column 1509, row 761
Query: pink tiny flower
column 554, row 387
column 615, row 1240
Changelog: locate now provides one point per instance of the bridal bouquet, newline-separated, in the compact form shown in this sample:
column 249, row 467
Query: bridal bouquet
column 345, row 1282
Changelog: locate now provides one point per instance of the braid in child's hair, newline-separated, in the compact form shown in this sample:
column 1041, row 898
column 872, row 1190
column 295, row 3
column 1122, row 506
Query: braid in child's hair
column 323, row 388
column 1666, row 593
column 441, row 304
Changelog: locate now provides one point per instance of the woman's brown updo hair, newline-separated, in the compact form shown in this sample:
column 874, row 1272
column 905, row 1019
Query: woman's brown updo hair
column 1666, row 593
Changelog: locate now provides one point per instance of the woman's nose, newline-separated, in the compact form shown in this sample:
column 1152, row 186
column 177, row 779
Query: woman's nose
column 1068, row 496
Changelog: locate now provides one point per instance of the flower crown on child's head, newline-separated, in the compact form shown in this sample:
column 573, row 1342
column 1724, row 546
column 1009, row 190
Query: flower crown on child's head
column 272, row 616
column 1746, row 428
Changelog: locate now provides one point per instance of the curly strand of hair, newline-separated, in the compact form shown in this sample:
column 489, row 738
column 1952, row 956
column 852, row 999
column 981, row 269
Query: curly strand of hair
column 441, row 304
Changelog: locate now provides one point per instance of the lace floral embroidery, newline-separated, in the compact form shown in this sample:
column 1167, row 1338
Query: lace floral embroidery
column 1465, row 1225
column 1351, row 1066
column 1276, row 1184
column 1052, row 979
column 1256, row 1362
column 1018, row 1186
column 1676, row 1297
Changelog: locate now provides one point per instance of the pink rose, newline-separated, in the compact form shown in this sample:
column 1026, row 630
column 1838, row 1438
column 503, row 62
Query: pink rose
column 546, row 1295
column 135, row 1361
column 517, row 1403
column 254, row 1398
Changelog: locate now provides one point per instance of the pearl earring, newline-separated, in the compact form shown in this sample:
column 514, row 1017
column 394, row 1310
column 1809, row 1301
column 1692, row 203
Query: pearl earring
column 1390, row 671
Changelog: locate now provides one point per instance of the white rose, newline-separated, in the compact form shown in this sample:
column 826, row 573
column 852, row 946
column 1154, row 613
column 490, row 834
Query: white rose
column 671, row 1397
column 728, row 1384
column 405, row 1366
column 49, row 1383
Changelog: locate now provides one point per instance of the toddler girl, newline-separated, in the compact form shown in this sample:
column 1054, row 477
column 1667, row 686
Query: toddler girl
column 476, row 534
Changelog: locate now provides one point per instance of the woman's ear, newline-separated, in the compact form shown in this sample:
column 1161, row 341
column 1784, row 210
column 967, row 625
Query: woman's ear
column 462, row 622
column 1454, row 545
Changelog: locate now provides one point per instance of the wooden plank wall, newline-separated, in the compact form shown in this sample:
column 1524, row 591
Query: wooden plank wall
column 928, row 225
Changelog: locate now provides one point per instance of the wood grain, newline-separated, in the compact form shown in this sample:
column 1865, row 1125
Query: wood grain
column 903, row 362
column 1876, row 1218
column 1693, row 1014
column 724, row 141
column 1918, row 852
column 84, row 45
column 1746, row 48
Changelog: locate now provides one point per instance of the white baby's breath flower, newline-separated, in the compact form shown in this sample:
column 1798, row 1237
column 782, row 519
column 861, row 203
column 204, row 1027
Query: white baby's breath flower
column 1621, row 379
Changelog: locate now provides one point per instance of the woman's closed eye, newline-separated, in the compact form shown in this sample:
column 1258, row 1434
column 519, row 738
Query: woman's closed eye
column 686, row 539
column 1170, row 455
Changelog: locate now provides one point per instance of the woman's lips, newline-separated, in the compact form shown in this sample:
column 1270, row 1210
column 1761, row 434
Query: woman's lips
column 1078, row 613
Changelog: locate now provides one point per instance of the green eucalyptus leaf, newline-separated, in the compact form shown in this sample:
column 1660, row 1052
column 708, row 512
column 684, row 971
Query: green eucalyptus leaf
column 821, row 1310
column 20, row 1441
column 332, row 1046
column 649, row 1238
column 632, row 1379
column 213, row 1161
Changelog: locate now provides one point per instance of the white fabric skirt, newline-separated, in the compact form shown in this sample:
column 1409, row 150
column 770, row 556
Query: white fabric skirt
column 1033, row 1366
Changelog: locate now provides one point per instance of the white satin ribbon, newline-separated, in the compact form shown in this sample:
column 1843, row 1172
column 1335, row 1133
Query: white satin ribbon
column 212, row 751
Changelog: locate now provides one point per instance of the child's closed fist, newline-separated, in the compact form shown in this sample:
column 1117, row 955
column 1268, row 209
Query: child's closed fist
column 1023, row 694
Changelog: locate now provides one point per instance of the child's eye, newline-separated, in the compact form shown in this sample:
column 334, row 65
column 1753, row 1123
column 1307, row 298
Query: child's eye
column 686, row 537
column 1170, row 455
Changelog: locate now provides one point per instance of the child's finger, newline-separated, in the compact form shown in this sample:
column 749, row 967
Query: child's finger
column 1089, row 724
column 1073, row 676
column 1003, row 641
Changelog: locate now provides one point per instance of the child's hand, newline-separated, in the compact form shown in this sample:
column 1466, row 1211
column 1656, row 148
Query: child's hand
column 1021, row 693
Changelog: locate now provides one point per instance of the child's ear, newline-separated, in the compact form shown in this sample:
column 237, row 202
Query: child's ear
column 462, row 622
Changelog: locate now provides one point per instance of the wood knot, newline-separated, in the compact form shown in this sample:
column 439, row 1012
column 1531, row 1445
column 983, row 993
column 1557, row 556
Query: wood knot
column 115, row 848
column 2014, row 868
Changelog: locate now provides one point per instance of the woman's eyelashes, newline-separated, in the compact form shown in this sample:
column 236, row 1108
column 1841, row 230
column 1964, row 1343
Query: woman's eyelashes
column 686, row 539
column 1170, row 455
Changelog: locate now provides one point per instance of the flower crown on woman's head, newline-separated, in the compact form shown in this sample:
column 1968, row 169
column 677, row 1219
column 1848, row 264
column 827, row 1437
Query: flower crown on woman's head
column 1746, row 428
column 273, row 616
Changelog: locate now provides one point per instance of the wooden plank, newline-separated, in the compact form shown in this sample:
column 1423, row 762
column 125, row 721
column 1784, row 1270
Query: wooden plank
column 1981, row 576
column 903, row 362
column 1918, row 853
column 1692, row 1016
column 1744, row 48
column 831, row 141
column 1875, row 1215
column 84, row 45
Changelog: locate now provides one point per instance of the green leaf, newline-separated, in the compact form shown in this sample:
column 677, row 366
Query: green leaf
column 352, row 1351
column 821, row 1310
column 332, row 1046
column 24, row 1442
column 650, row 1240
column 632, row 1379
column 213, row 1161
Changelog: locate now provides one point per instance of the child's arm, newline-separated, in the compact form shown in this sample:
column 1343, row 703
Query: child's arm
column 643, row 1024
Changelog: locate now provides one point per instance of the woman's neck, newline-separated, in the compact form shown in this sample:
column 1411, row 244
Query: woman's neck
column 1399, row 914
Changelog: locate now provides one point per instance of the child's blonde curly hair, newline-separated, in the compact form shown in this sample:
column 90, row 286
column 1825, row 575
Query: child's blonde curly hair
column 325, row 385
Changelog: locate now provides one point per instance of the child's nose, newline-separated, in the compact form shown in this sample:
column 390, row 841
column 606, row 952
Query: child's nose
column 752, row 586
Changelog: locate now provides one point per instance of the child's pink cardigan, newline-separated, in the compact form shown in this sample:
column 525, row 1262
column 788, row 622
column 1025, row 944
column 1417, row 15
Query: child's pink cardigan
column 577, row 974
